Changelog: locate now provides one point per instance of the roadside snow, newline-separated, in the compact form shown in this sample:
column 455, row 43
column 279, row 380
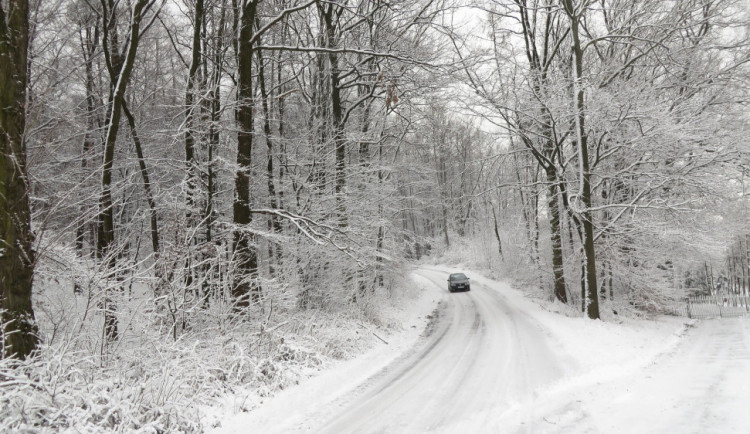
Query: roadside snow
column 292, row 406
column 622, row 375
column 698, row 385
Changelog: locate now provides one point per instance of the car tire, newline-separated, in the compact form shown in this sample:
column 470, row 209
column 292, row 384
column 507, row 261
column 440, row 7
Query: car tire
column 468, row 288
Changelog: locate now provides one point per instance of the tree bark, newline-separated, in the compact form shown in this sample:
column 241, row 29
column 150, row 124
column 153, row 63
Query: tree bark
column 190, row 106
column 106, row 232
column 331, row 13
column 214, row 102
column 497, row 232
column 89, row 44
column 19, row 337
column 553, row 208
column 146, row 181
column 539, row 62
column 592, row 302
column 246, row 285
column 274, row 224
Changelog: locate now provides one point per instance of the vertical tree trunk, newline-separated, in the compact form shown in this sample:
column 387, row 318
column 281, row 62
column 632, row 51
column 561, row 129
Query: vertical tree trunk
column 441, row 174
column 497, row 232
column 19, row 336
column 381, row 230
column 280, row 108
column 592, row 303
column 89, row 44
column 273, row 222
column 120, row 71
column 192, row 175
column 146, row 181
column 558, row 270
column 538, row 41
column 730, row 273
column 214, row 102
column 331, row 13
column 246, row 285
column 190, row 106
column 528, row 204
column 709, row 283
column 743, row 263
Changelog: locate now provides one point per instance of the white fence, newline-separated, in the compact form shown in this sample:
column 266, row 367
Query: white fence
column 714, row 306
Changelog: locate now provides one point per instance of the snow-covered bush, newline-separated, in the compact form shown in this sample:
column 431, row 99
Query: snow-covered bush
column 171, row 362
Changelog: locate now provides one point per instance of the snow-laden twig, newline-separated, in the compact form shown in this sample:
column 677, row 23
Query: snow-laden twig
column 319, row 233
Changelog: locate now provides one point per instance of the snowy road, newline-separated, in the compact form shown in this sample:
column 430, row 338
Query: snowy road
column 481, row 357
column 492, row 361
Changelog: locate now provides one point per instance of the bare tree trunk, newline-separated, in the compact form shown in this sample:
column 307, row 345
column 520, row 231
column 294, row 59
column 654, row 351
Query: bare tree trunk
column 331, row 13
column 282, row 147
column 497, row 232
column 544, row 149
column 89, row 44
column 190, row 107
column 214, row 109
column 213, row 103
column 553, row 208
column 730, row 272
column 381, row 230
column 19, row 337
column 529, row 209
column 120, row 68
column 592, row 304
column 146, row 181
column 743, row 264
column 274, row 224
column 246, row 285
column 443, row 205
column 192, row 175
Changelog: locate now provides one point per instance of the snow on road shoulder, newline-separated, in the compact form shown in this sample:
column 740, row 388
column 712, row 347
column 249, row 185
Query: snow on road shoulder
column 601, row 349
column 698, row 386
column 293, row 408
column 611, row 360
column 602, row 358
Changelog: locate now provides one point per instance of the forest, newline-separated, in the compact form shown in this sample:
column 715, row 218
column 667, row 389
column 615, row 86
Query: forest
column 184, row 184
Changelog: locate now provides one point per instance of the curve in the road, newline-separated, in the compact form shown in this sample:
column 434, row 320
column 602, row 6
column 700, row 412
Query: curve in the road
column 482, row 358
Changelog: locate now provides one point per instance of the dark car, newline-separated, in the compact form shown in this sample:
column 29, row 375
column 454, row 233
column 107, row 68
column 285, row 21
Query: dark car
column 458, row 282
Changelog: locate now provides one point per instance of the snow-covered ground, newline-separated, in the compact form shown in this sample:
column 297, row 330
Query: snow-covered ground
column 491, row 360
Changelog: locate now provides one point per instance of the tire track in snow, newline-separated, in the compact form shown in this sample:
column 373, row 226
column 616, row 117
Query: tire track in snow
column 478, row 364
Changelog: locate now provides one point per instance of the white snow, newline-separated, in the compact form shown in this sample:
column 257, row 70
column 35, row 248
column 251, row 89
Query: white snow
column 312, row 395
column 499, row 362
